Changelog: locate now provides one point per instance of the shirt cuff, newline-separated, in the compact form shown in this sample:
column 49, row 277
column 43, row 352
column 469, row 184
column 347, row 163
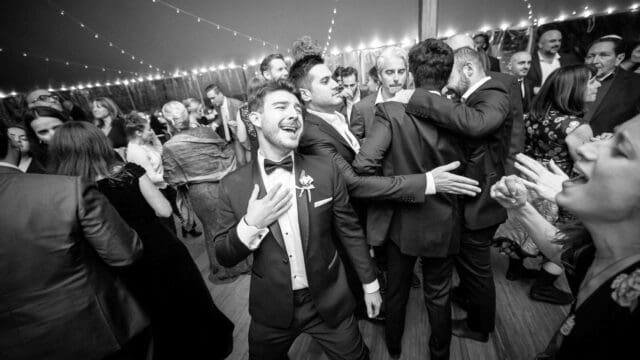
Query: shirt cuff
column 371, row 287
column 431, row 185
column 249, row 235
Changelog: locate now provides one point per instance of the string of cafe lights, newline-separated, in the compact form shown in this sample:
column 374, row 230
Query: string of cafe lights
column 48, row 59
column 235, row 32
column 330, row 30
column 134, row 58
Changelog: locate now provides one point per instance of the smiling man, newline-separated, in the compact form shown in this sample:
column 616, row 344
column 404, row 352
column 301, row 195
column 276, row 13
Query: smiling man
column 297, row 281
column 547, row 57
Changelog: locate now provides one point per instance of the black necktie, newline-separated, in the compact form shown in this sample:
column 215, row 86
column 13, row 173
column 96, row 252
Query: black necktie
column 271, row 166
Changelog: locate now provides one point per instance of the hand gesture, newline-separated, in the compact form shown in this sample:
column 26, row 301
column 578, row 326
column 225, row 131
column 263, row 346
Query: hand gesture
column 547, row 184
column 450, row 183
column 373, row 302
column 603, row 136
column 263, row 212
column 346, row 93
column 403, row 96
column 510, row 192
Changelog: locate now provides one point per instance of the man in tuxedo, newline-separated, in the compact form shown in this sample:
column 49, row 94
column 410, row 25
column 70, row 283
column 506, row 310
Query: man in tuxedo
column 519, row 66
column 60, row 300
column 290, row 210
column 401, row 144
column 481, row 42
column 547, row 57
column 618, row 97
column 229, row 126
column 391, row 65
column 480, row 117
column 273, row 67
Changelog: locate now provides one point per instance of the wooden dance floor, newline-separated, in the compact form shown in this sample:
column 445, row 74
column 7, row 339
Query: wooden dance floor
column 523, row 326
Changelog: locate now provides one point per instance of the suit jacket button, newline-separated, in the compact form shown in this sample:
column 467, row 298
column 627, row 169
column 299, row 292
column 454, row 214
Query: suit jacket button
column 285, row 261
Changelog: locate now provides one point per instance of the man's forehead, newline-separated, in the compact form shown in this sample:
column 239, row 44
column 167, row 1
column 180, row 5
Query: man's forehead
column 551, row 35
column 394, row 63
column 349, row 78
column 281, row 96
column 277, row 63
column 602, row 46
column 521, row 56
column 35, row 94
column 319, row 71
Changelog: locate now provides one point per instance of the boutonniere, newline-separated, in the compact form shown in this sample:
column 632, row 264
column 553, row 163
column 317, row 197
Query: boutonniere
column 568, row 325
column 306, row 184
column 626, row 289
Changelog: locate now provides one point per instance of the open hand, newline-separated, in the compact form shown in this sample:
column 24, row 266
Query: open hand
column 547, row 183
column 263, row 212
column 450, row 183
column 373, row 302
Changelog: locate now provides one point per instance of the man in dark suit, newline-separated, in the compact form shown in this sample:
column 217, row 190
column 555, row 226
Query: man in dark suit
column 401, row 144
column 481, row 119
column 59, row 298
column 546, row 57
column 618, row 98
column 229, row 125
column 519, row 66
column 298, row 283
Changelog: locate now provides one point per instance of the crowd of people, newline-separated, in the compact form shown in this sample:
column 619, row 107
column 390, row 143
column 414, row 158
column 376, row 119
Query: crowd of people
column 328, row 189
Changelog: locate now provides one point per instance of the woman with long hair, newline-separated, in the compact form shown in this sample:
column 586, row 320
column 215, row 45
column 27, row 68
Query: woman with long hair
column 601, row 253
column 555, row 118
column 108, row 117
column 41, row 123
column 185, row 321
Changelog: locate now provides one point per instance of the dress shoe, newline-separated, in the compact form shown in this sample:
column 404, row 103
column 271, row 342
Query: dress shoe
column 543, row 289
column 460, row 328
column 518, row 271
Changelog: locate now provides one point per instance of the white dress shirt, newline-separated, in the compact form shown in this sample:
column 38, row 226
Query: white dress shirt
column 150, row 159
column 350, row 103
column 338, row 122
column 24, row 163
column 252, row 236
column 224, row 115
column 9, row 165
column 546, row 68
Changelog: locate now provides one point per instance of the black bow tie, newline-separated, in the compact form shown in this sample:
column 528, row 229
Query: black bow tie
column 271, row 166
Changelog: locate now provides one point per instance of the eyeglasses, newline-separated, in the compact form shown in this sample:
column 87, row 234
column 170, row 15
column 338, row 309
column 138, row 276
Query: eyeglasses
column 47, row 97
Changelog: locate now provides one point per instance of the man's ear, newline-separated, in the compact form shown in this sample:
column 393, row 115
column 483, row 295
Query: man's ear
column 619, row 59
column 305, row 94
column 256, row 119
column 468, row 70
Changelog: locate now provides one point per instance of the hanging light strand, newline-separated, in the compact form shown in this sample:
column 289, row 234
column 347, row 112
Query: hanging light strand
column 331, row 27
column 235, row 32
column 134, row 58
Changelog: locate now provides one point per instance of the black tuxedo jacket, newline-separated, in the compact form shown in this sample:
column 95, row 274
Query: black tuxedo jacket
column 535, row 73
column 399, row 144
column 481, row 120
column 514, row 131
column 619, row 104
column 362, row 116
column 527, row 97
column 320, row 138
column 494, row 64
column 325, row 220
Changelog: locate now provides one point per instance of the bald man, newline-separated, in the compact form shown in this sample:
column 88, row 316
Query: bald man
column 42, row 97
column 519, row 66
column 547, row 56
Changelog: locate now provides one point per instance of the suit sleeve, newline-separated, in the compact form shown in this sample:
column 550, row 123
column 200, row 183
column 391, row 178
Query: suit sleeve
column 349, row 232
column 356, row 125
column 230, row 250
column 114, row 241
column 515, row 136
column 405, row 188
column 482, row 119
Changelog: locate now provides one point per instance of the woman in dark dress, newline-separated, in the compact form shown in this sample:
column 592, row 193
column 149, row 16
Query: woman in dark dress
column 602, row 255
column 166, row 281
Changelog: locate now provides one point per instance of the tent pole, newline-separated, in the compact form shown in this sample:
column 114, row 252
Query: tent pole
column 428, row 19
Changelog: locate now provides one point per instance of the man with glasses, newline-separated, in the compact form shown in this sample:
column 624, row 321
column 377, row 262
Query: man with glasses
column 41, row 97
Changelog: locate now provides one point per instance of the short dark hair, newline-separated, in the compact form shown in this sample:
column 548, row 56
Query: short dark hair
column 266, row 62
column 545, row 29
column 4, row 139
column 299, row 72
column 348, row 71
column 373, row 73
column 337, row 73
column 256, row 100
column 213, row 87
column 134, row 122
column 563, row 91
column 618, row 44
column 430, row 62
column 485, row 37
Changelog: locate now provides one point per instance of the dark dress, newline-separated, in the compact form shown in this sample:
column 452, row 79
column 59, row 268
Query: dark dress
column 185, row 321
column 117, row 135
column 601, row 327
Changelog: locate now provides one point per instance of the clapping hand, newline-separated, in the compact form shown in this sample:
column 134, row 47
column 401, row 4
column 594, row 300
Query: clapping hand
column 547, row 183
column 263, row 212
column 447, row 182
column 510, row 192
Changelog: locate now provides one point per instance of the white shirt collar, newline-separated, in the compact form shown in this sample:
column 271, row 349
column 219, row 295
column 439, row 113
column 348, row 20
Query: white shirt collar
column 475, row 87
column 379, row 99
column 9, row 165
column 556, row 57
column 330, row 118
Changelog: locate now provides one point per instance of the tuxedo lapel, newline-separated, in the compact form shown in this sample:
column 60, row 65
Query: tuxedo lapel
column 274, row 228
column 328, row 129
column 302, row 202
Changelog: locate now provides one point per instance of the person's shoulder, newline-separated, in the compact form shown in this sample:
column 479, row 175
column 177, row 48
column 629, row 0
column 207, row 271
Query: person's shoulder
column 320, row 163
column 238, row 175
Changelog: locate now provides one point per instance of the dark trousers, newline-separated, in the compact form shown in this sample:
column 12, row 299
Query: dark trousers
column 436, row 274
column 138, row 348
column 473, row 265
column 342, row 342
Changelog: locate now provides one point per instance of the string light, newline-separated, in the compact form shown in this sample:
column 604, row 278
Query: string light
column 95, row 34
column 330, row 30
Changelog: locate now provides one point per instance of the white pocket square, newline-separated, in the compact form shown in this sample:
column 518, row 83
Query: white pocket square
column 322, row 202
